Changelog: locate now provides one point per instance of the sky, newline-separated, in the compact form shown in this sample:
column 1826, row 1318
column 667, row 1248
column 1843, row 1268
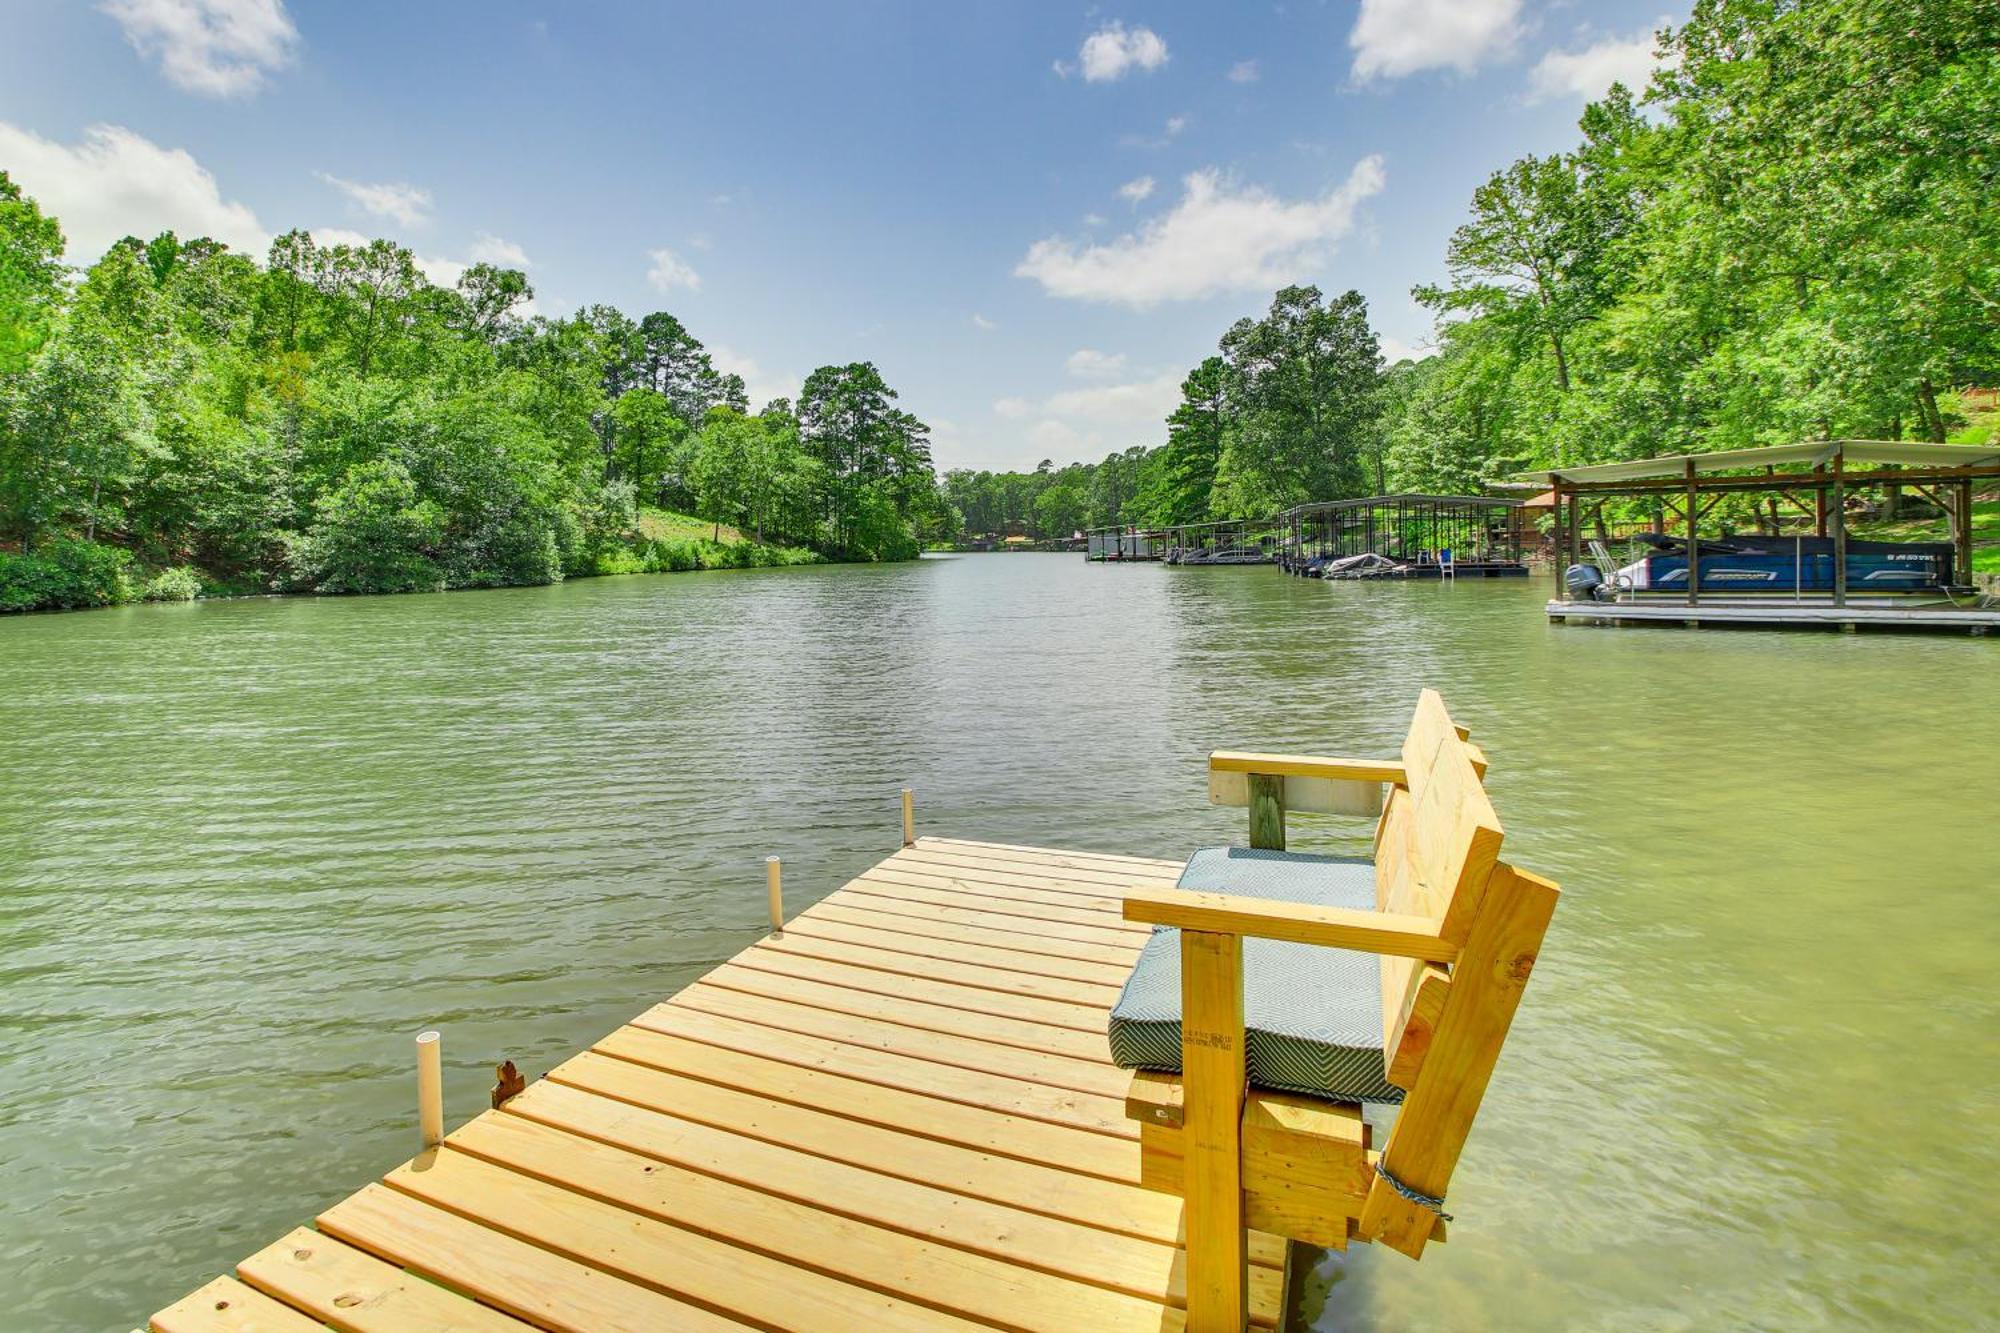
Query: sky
column 1034, row 218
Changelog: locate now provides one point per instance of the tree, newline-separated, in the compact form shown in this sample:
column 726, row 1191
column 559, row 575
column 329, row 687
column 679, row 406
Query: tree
column 1194, row 444
column 369, row 289
column 31, row 276
column 73, row 428
column 491, row 296
column 1302, row 389
column 652, row 443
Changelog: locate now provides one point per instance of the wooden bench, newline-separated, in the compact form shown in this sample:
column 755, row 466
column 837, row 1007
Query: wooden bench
column 1457, row 930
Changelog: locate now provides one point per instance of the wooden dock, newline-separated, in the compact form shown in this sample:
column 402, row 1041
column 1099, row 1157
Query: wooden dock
column 1778, row 614
column 898, row 1113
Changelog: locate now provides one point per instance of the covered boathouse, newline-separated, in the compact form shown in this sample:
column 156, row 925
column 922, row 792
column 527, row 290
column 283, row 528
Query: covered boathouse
column 1830, row 578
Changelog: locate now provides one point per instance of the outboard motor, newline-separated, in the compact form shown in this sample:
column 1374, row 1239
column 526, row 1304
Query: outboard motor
column 1581, row 582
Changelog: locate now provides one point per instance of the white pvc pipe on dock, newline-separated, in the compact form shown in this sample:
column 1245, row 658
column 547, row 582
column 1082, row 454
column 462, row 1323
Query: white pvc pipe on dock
column 430, row 1088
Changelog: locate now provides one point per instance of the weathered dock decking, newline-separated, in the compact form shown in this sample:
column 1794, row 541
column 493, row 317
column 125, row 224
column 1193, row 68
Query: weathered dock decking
column 898, row 1113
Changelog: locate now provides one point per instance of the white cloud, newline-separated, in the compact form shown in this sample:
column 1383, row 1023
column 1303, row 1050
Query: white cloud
column 220, row 48
column 1115, row 50
column 116, row 183
column 759, row 384
column 1060, row 440
column 1243, row 71
column 1087, row 363
column 407, row 204
column 1077, row 422
column 1136, row 190
column 1094, row 219
column 490, row 249
column 669, row 271
column 1590, row 72
column 983, row 324
column 1218, row 238
column 1392, row 38
column 1395, row 349
column 1175, row 124
column 1141, row 402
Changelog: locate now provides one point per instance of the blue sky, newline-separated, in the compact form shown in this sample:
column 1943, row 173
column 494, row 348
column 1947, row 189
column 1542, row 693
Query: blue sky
column 1033, row 218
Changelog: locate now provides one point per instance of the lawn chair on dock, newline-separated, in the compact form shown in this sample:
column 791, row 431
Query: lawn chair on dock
column 1290, row 989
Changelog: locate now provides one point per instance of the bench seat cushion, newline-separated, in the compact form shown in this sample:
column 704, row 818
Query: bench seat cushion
column 1313, row 1016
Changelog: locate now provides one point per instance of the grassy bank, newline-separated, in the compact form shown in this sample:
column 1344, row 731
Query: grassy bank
column 75, row 575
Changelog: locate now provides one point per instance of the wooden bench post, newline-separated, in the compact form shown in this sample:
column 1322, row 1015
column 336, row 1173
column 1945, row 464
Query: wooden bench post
column 1267, row 812
column 1213, row 1078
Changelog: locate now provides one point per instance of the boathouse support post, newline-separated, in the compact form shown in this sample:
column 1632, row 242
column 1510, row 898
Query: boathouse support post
column 1556, row 543
column 1837, row 520
column 1267, row 812
column 909, row 818
column 1213, row 1078
column 430, row 1088
column 774, row 884
column 1964, row 533
column 1694, row 544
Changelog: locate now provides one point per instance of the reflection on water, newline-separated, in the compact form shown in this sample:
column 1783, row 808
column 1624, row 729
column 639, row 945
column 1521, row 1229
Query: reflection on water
column 247, row 849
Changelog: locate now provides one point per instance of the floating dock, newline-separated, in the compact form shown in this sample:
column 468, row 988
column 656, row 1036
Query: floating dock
column 899, row 1112
column 1780, row 614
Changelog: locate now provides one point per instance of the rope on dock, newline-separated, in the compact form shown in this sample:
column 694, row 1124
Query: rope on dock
column 1416, row 1197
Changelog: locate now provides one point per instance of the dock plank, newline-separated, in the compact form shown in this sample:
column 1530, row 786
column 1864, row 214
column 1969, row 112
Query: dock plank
column 942, row 1255
column 228, row 1306
column 824, row 921
column 897, row 1113
column 676, row 1118
column 840, row 995
column 1033, row 1068
column 355, row 1291
column 544, row 1288
column 970, row 895
column 911, row 919
column 1092, row 996
column 964, row 1117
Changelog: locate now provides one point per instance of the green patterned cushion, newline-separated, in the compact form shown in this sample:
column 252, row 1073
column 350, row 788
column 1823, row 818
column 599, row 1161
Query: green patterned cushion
column 1312, row 1016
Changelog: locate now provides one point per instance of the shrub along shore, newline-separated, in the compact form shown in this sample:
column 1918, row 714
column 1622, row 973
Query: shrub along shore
column 71, row 575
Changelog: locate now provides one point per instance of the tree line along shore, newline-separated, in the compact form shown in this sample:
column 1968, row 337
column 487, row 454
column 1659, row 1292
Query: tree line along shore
column 1789, row 234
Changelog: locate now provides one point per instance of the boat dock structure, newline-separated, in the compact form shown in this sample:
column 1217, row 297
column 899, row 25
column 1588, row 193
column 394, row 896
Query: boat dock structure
column 983, row 1086
column 1827, row 579
column 1418, row 536
column 897, row 1112
column 1422, row 536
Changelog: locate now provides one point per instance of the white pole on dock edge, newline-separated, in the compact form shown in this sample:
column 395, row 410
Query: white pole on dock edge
column 909, row 819
column 430, row 1088
column 774, row 879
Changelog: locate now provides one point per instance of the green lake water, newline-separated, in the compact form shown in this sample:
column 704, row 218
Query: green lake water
column 248, row 849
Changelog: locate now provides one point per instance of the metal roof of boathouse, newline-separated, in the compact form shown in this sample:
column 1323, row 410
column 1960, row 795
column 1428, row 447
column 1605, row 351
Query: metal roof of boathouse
column 1809, row 454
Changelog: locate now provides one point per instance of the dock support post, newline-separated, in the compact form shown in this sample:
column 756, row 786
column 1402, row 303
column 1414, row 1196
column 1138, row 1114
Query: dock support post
column 430, row 1088
column 1694, row 542
column 1213, row 1078
column 1963, row 556
column 909, row 819
column 1837, row 519
column 1267, row 812
column 774, row 882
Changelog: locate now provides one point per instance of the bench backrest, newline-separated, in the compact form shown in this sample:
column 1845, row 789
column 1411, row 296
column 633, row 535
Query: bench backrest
column 1437, row 854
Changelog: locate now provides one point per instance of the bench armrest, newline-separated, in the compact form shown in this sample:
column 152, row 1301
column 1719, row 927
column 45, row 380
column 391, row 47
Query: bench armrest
column 1305, row 766
column 1331, row 927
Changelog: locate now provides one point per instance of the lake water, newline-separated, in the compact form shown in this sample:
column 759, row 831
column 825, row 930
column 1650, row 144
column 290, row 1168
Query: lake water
column 247, row 849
